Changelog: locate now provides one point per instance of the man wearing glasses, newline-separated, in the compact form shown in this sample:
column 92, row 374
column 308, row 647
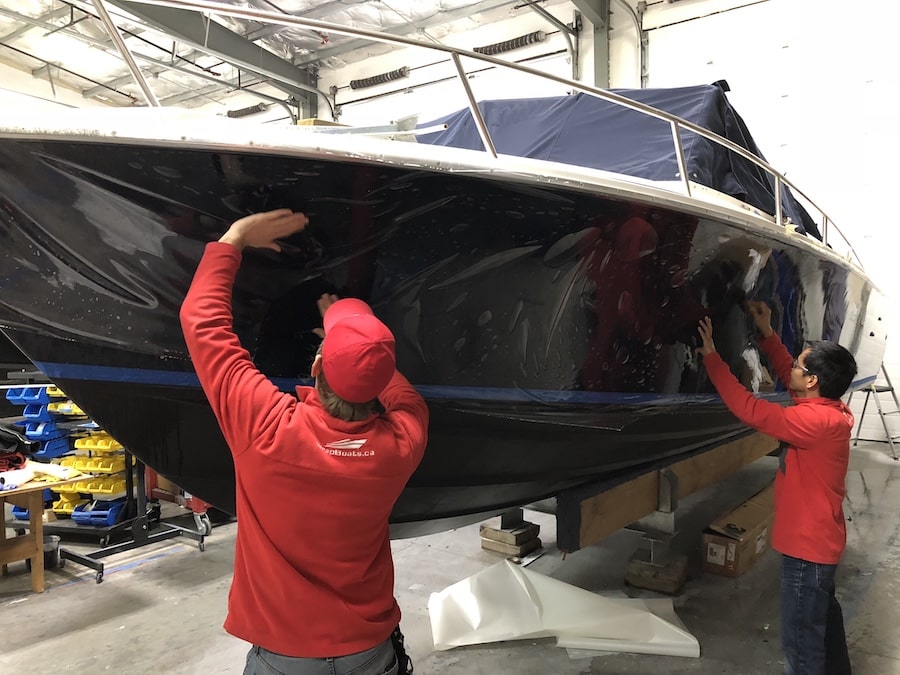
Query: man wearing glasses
column 809, row 529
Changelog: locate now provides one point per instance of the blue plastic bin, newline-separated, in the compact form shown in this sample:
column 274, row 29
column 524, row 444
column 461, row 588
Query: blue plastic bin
column 99, row 513
column 43, row 431
column 34, row 394
column 39, row 412
column 22, row 514
column 55, row 447
column 14, row 395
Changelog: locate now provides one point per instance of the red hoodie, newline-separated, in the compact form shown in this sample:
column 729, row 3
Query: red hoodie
column 313, row 573
column 810, row 484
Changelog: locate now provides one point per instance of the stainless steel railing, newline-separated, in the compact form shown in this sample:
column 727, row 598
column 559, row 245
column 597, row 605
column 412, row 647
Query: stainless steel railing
column 677, row 124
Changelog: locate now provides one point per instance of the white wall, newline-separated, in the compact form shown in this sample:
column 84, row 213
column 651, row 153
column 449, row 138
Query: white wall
column 237, row 100
column 438, row 99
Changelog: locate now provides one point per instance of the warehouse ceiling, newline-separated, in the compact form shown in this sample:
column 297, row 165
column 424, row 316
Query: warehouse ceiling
column 189, row 60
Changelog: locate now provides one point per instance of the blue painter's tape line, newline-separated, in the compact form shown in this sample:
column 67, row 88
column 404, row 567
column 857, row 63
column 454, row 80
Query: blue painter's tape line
column 168, row 378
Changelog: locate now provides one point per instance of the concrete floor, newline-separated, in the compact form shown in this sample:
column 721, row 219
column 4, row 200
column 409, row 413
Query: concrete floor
column 160, row 608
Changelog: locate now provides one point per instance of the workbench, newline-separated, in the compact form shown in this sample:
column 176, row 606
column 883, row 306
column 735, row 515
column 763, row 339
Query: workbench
column 31, row 545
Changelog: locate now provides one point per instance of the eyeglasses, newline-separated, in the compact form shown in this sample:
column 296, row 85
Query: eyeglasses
column 797, row 365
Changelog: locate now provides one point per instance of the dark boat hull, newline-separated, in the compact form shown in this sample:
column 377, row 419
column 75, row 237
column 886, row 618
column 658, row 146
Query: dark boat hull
column 550, row 327
column 475, row 462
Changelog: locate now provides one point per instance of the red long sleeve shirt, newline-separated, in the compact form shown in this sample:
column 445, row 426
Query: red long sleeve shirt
column 313, row 572
column 810, row 484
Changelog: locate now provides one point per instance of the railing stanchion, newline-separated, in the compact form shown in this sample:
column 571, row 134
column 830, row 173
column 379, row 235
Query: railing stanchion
column 473, row 106
column 779, row 207
column 679, row 157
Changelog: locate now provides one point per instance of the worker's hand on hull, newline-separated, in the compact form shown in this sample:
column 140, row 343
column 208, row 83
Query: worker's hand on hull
column 707, row 345
column 762, row 316
column 261, row 230
column 323, row 303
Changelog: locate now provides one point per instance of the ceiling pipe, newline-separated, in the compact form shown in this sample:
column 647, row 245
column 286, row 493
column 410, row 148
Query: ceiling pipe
column 641, row 34
column 123, row 51
column 568, row 32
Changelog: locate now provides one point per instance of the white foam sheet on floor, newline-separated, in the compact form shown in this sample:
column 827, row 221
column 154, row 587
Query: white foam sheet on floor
column 508, row 602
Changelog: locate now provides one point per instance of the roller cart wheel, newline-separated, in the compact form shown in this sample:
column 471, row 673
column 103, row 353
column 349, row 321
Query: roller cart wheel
column 202, row 546
column 203, row 523
column 99, row 577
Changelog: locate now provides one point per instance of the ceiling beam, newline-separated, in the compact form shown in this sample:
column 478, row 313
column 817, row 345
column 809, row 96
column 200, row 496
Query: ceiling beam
column 198, row 31
column 152, row 72
column 225, row 85
column 175, row 99
column 403, row 29
column 158, row 65
column 39, row 22
column 124, row 79
column 317, row 12
column 222, row 84
column 42, row 19
column 46, row 67
column 597, row 12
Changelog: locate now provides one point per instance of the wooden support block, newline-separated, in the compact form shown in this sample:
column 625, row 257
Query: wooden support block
column 515, row 536
column 667, row 577
column 612, row 510
column 518, row 550
column 703, row 470
column 588, row 514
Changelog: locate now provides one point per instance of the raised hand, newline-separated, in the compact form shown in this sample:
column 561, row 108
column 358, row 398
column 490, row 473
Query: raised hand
column 707, row 345
column 323, row 303
column 260, row 230
column 762, row 316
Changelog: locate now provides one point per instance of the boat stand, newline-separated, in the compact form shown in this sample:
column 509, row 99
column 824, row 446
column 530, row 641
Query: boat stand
column 144, row 525
column 646, row 500
column 654, row 566
column 515, row 536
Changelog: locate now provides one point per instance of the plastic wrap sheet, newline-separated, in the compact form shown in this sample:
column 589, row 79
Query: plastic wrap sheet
column 507, row 602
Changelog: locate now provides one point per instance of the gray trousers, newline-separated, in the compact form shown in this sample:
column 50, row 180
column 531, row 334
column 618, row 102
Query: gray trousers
column 379, row 660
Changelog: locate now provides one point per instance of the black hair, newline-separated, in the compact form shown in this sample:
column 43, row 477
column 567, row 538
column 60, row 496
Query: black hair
column 833, row 365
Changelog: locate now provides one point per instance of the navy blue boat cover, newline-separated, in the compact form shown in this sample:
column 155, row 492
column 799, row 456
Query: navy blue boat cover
column 588, row 131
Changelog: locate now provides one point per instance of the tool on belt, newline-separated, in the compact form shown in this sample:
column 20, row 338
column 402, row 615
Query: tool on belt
column 404, row 663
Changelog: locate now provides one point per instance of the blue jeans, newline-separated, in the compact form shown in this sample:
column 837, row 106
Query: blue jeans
column 812, row 624
column 379, row 660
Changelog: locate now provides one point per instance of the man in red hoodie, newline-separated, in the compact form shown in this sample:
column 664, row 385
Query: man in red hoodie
column 317, row 473
column 809, row 529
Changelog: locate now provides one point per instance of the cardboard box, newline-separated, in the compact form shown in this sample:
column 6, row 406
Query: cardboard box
column 733, row 542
